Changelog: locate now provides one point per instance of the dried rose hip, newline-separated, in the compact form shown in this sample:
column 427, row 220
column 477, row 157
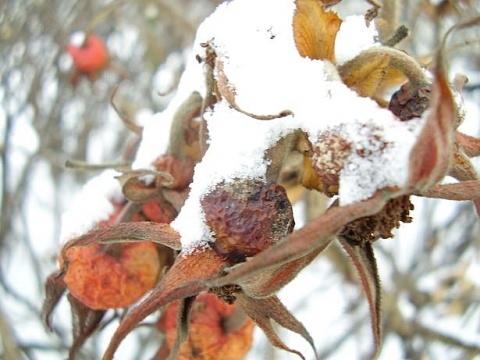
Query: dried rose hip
column 216, row 330
column 247, row 216
column 111, row 276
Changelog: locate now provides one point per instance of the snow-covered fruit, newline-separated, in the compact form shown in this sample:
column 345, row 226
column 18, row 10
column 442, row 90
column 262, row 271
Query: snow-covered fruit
column 217, row 330
column 90, row 57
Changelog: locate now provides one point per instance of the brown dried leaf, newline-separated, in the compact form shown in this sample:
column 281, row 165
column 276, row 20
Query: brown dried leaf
column 187, row 277
column 137, row 190
column 363, row 258
column 85, row 322
column 469, row 144
column 227, row 91
column 263, row 311
column 272, row 280
column 126, row 232
column 315, row 30
column 462, row 191
column 318, row 234
column 54, row 289
column 433, row 151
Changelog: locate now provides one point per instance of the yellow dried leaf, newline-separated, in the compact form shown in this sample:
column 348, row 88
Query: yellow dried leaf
column 365, row 78
column 315, row 30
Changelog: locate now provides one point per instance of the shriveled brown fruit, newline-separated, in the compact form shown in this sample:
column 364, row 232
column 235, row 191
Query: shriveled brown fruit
column 217, row 330
column 247, row 216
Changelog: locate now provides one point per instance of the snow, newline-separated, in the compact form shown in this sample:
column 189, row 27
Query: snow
column 353, row 37
column 266, row 75
column 93, row 205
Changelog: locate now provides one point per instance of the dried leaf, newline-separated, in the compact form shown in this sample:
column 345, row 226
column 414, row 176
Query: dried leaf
column 270, row 281
column 366, row 79
column 368, row 71
column 54, row 289
column 184, row 141
column 227, row 91
column 470, row 144
column 364, row 261
column 186, row 278
column 263, row 311
column 318, row 234
column 85, row 322
column 431, row 155
column 128, row 232
column 315, row 30
column 137, row 190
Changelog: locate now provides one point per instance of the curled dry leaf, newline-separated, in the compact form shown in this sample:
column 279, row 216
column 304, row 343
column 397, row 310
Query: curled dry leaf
column 315, row 30
column 227, row 91
column 367, row 71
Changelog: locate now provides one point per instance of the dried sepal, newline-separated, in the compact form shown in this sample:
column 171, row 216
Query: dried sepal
column 131, row 232
column 469, row 144
column 54, row 290
column 263, row 311
column 315, row 30
column 432, row 153
column 181, row 169
column 187, row 277
column 318, row 234
column 461, row 191
column 84, row 322
column 184, row 133
column 137, row 190
column 363, row 259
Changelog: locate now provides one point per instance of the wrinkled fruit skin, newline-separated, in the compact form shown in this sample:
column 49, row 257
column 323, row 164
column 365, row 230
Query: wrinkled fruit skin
column 111, row 277
column 91, row 57
column 247, row 216
column 329, row 155
column 207, row 336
